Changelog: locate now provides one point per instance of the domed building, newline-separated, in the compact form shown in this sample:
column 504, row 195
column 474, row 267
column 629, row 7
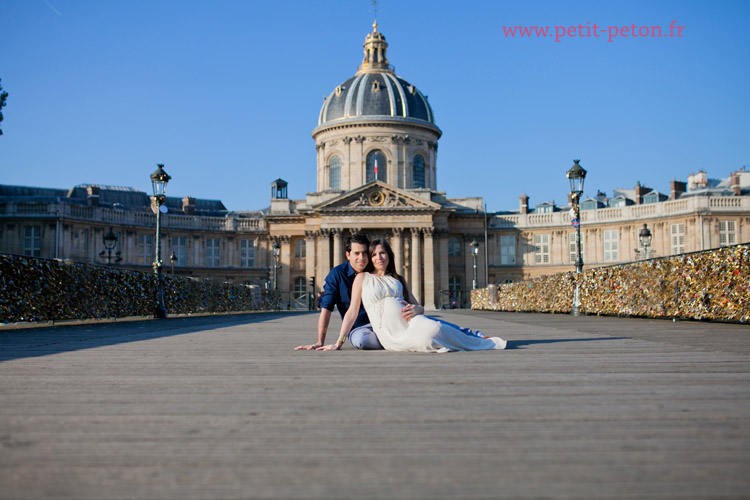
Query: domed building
column 376, row 125
column 376, row 143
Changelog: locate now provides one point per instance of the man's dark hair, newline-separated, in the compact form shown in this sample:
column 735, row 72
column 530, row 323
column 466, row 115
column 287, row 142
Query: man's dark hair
column 360, row 238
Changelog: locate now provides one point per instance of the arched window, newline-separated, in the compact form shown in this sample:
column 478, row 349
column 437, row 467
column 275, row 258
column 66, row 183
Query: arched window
column 376, row 166
column 300, row 249
column 454, row 247
column 334, row 173
column 418, row 172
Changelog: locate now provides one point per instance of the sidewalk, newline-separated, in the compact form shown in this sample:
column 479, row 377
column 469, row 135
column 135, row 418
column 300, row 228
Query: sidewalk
column 222, row 407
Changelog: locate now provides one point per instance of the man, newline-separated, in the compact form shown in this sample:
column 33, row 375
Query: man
column 337, row 292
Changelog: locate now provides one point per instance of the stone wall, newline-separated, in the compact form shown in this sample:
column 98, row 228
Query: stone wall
column 710, row 285
column 34, row 289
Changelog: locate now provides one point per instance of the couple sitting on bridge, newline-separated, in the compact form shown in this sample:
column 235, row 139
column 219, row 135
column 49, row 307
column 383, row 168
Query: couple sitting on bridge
column 380, row 312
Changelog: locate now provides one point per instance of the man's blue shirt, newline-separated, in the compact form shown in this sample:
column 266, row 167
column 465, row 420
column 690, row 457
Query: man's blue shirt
column 338, row 292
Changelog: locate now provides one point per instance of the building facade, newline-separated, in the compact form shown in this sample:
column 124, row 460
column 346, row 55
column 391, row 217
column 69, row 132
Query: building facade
column 376, row 158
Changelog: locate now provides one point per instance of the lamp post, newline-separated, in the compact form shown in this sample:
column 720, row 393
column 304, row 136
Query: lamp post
column 173, row 260
column 159, row 180
column 644, row 236
column 474, row 252
column 276, row 251
column 110, row 241
column 576, row 175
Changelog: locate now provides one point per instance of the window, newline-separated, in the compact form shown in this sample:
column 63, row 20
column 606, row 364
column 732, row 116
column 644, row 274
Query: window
column 299, row 296
column 247, row 253
column 300, row 288
column 334, row 173
column 213, row 252
column 80, row 242
column 300, row 249
column 545, row 209
column 145, row 249
column 727, row 233
column 541, row 248
column 179, row 247
column 610, row 245
column 454, row 247
column 617, row 203
column 454, row 287
column 418, row 172
column 652, row 197
column 376, row 166
column 507, row 250
column 677, row 238
column 32, row 239
column 572, row 237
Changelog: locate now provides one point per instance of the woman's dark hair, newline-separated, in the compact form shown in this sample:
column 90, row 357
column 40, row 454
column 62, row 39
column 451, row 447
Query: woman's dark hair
column 390, row 269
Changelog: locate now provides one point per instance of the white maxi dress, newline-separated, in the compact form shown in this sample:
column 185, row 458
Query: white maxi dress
column 382, row 297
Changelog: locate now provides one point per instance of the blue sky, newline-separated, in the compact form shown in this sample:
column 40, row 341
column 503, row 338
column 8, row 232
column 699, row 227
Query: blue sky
column 226, row 93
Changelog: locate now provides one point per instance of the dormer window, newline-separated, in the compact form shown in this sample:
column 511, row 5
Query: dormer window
column 375, row 86
column 338, row 91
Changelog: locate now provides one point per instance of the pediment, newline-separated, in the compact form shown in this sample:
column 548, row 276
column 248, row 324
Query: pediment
column 376, row 196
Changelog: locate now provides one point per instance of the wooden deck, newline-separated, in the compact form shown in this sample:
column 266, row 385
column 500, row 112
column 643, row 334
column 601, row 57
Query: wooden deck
column 223, row 408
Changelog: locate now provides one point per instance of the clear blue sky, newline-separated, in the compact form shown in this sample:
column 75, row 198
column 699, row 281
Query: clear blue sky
column 226, row 93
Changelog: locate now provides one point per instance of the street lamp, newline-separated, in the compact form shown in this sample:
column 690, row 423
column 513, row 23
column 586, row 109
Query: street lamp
column 173, row 260
column 576, row 175
column 474, row 252
column 159, row 180
column 110, row 241
column 644, row 235
column 276, row 251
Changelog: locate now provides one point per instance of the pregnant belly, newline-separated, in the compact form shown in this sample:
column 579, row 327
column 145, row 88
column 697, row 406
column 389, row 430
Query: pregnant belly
column 392, row 320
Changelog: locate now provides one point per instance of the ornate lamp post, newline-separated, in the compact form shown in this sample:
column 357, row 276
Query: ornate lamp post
column 159, row 180
column 576, row 175
column 110, row 241
column 644, row 235
column 276, row 251
column 474, row 252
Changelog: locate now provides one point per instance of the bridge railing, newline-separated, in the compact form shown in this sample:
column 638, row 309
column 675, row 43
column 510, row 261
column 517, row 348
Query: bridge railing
column 709, row 285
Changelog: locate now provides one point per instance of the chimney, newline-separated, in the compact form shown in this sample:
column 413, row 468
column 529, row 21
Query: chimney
column 639, row 192
column 92, row 197
column 678, row 187
column 188, row 205
column 734, row 183
column 524, row 204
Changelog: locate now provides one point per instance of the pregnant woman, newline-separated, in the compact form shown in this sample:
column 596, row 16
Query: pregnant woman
column 383, row 292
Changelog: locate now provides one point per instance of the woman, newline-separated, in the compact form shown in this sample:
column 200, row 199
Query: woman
column 382, row 291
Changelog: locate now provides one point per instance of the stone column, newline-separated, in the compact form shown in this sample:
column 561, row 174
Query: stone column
column 429, row 270
column 398, row 249
column 285, row 260
column 338, row 255
column 311, row 252
column 416, row 265
column 443, row 252
column 324, row 252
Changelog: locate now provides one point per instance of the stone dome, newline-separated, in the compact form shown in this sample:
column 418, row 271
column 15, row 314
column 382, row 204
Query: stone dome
column 376, row 93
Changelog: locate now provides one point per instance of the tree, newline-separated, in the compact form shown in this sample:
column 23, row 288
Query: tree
column 3, row 97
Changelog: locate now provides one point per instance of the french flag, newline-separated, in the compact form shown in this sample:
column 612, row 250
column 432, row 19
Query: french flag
column 376, row 167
